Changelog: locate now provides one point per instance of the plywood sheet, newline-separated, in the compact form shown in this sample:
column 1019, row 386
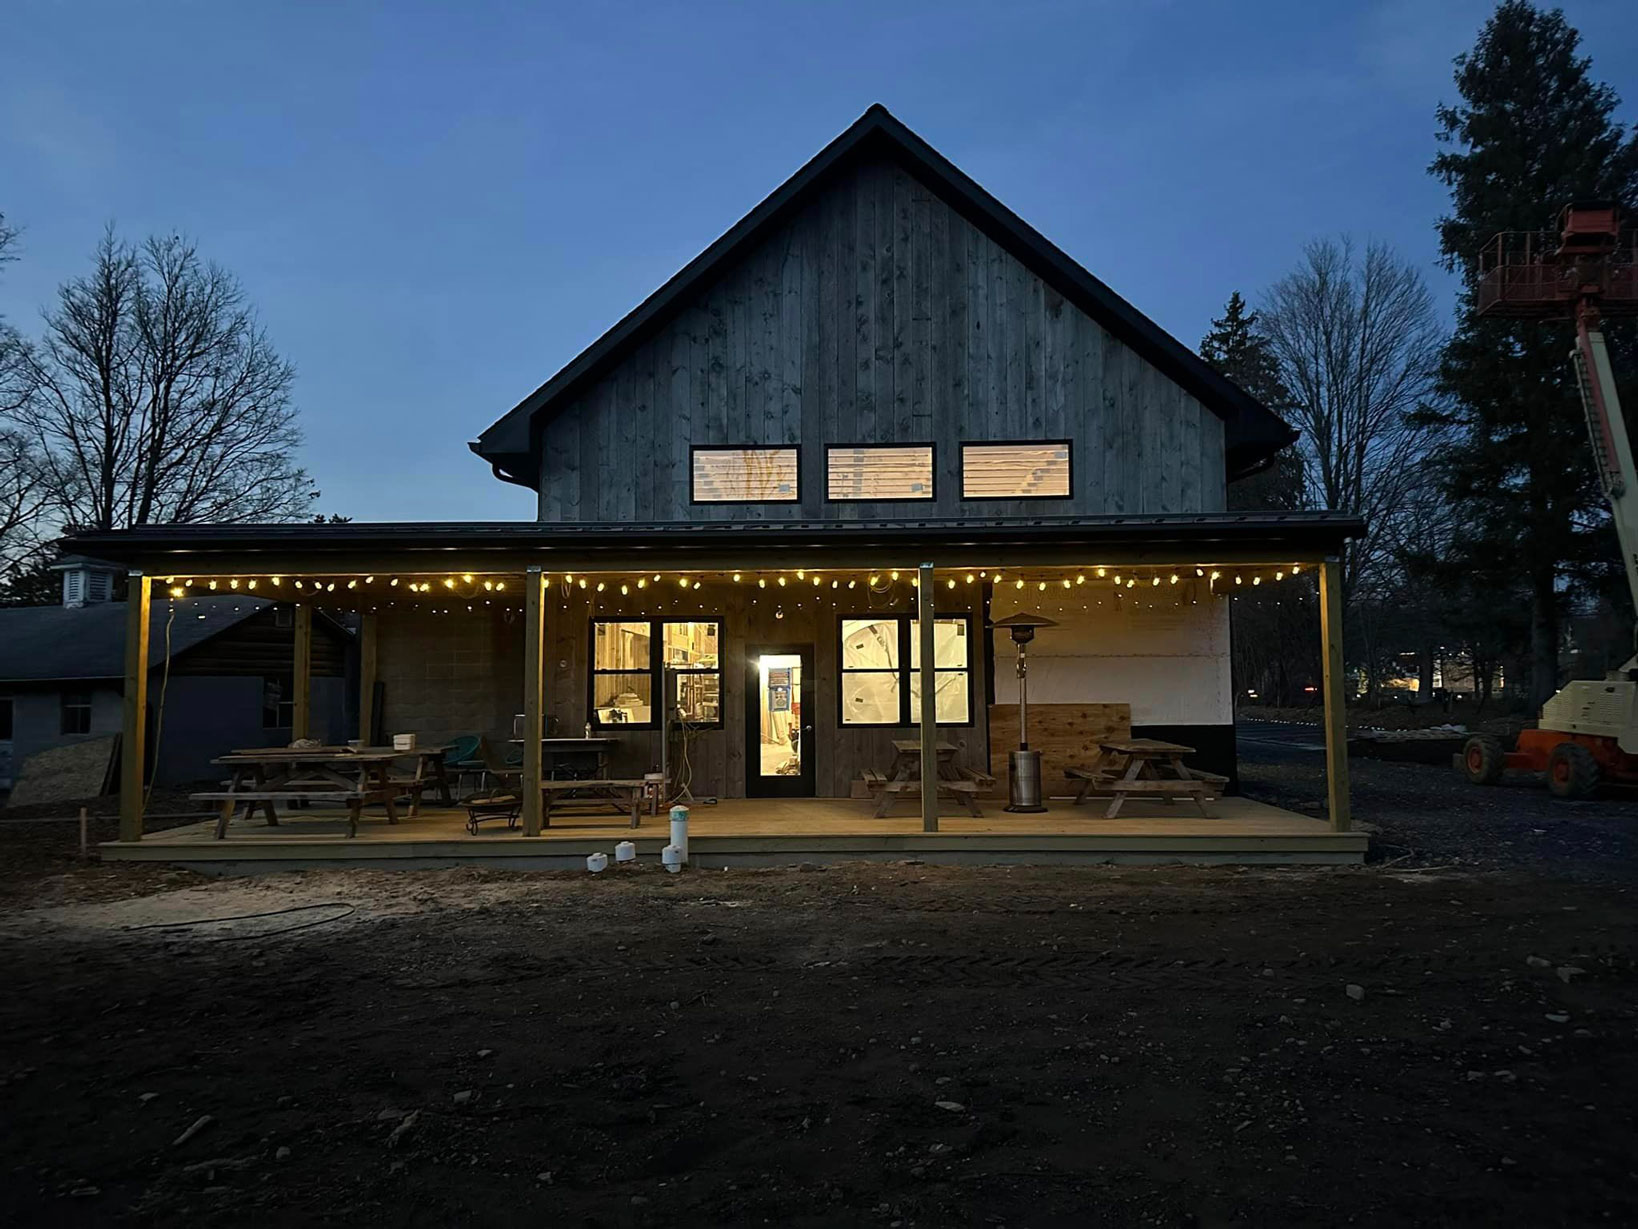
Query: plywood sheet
column 1066, row 735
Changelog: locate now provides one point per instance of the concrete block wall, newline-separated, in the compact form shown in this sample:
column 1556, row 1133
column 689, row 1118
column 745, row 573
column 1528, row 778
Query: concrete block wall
column 450, row 674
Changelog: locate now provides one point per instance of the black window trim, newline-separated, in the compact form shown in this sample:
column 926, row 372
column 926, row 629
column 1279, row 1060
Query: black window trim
column 656, row 669
column 961, row 468
column 907, row 626
column 932, row 474
column 695, row 502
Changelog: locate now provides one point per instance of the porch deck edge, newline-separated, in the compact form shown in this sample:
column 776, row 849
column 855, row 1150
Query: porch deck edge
column 722, row 850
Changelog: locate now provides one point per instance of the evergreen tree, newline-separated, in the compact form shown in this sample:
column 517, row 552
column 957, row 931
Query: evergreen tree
column 1239, row 350
column 1275, row 643
column 1532, row 132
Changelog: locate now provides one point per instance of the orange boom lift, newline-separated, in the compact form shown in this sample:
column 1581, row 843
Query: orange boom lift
column 1588, row 731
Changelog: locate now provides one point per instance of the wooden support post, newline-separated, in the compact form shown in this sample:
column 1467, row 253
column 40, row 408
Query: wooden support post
column 133, row 751
column 1336, row 715
column 926, row 595
column 301, row 674
column 366, row 678
column 534, row 695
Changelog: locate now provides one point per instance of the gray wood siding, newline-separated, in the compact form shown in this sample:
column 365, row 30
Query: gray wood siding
column 879, row 315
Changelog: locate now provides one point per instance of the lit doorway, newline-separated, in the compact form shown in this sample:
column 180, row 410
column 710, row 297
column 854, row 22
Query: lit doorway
column 779, row 740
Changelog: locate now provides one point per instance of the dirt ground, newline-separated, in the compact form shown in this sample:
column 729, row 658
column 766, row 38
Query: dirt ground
column 1438, row 1037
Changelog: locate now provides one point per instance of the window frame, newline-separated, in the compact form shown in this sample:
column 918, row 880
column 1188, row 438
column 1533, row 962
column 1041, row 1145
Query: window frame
column 287, row 701
column 932, row 474
column 907, row 629
column 656, row 669
column 65, row 706
column 694, row 501
column 961, row 467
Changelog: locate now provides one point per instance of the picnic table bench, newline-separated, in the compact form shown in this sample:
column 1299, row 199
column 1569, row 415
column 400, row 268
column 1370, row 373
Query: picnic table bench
column 904, row 778
column 623, row 794
column 355, row 776
column 1147, row 767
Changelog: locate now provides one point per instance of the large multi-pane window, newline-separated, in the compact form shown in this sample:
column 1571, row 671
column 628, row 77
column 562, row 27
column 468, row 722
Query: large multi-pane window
column 1021, row 470
column 634, row 660
column 881, row 669
column 879, row 471
column 744, row 475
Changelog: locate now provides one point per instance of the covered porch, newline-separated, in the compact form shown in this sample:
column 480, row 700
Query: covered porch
column 783, row 669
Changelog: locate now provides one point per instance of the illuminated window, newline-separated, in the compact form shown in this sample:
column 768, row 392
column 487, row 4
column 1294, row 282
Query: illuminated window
column 632, row 660
column 745, row 475
column 886, row 471
column 881, row 670
column 1015, row 471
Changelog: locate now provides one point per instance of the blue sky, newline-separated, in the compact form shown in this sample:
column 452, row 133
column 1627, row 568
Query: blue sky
column 436, row 206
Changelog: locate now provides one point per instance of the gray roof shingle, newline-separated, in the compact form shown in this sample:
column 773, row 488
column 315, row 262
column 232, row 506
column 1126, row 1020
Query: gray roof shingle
column 44, row 643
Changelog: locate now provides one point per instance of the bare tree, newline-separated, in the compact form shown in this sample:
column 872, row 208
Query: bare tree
column 1358, row 345
column 154, row 396
column 23, row 499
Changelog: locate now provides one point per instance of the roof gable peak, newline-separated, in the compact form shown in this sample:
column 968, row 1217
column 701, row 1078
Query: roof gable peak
column 1254, row 433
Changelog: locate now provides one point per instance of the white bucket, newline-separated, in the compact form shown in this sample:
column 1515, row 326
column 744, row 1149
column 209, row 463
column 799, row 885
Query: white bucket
column 625, row 851
column 679, row 829
column 597, row 862
column 671, row 858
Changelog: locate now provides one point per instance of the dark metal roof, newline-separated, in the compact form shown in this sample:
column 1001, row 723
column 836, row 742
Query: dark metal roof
column 1253, row 432
column 41, row 644
column 440, row 546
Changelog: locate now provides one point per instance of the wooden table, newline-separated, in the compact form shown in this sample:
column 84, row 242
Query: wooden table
column 905, row 777
column 357, row 776
column 1144, row 766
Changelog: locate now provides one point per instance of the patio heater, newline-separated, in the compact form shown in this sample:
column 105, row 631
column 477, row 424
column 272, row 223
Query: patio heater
column 1024, row 775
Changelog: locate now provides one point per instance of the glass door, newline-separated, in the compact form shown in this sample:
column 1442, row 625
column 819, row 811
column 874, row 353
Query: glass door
column 779, row 740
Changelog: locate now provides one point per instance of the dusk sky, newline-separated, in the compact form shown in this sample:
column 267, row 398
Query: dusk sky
column 434, row 207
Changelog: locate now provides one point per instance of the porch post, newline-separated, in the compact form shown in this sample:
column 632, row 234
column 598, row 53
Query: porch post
column 301, row 674
column 534, row 707
column 1336, row 731
column 926, row 595
column 133, row 752
column 366, row 677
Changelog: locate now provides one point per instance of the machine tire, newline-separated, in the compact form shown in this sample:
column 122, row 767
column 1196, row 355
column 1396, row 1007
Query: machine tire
column 1572, row 772
column 1483, row 759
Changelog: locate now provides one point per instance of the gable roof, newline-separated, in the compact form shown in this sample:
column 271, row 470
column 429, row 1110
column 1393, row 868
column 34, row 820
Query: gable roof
column 1253, row 433
column 42, row 644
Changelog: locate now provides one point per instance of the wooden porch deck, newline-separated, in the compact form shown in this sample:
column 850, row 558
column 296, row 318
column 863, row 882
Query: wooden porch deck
column 765, row 832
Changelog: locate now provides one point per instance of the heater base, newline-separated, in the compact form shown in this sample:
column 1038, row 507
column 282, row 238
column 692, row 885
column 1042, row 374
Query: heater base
column 1024, row 782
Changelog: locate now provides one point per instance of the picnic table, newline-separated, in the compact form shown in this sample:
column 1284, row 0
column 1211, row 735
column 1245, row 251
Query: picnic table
column 1143, row 766
column 356, row 776
column 904, row 778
